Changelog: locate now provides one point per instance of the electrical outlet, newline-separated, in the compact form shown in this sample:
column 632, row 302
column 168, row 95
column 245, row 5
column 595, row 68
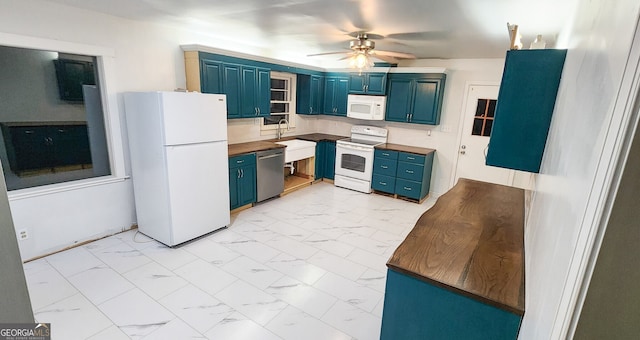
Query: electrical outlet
column 22, row 234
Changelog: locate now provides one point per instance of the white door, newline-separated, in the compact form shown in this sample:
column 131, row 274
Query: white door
column 478, row 120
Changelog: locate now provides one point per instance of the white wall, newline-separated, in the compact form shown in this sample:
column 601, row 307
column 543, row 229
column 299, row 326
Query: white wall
column 562, row 209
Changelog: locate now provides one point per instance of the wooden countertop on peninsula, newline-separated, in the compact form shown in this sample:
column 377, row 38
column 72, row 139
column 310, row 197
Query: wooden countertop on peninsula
column 471, row 242
column 269, row 144
column 405, row 148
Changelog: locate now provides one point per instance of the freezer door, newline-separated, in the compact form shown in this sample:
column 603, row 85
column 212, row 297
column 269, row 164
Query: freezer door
column 193, row 117
column 198, row 189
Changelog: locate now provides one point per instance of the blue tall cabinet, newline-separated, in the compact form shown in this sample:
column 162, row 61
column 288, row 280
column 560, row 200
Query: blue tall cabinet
column 525, row 105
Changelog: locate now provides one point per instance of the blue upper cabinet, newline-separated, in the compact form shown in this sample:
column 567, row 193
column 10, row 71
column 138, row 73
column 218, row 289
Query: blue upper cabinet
column 246, row 84
column 255, row 92
column 309, row 94
column 367, row 83
column 336, row 90
column 526, row 100
column 211, row 76
column 415, row 98
column 232, row 87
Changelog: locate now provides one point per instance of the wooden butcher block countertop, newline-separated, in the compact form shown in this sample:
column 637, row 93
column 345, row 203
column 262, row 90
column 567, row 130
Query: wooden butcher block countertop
column 470, row 242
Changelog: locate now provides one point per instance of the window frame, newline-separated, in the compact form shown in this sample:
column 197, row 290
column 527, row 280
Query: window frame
column 105, row 64
column 269, row 129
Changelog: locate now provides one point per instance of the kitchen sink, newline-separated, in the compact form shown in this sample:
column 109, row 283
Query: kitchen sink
column 298, row 149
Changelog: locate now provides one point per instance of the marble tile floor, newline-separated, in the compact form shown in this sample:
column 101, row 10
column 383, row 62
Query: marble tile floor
column 309, row 265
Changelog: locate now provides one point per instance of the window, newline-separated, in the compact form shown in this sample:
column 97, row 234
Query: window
column 283, row 104
column 483, row 120
column 51, row 118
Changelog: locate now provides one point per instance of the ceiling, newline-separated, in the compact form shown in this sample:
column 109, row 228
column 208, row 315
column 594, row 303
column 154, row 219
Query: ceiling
column 443, row 29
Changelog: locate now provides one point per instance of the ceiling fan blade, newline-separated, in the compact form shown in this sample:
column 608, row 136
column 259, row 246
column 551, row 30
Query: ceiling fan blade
column 387, row 59
column 326, row 53
column 426, row 35
column 392, row 54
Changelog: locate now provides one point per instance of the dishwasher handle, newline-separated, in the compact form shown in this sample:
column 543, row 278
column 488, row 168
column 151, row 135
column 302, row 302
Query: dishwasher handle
column 270, row 156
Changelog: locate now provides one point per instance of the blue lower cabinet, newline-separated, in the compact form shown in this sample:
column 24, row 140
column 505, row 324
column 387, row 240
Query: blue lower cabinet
column 416, row 309
column 384, row 183
column 242, row 180
column 325, row 159
column 402, row 173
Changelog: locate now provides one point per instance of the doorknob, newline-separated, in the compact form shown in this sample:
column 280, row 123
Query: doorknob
column 463, row 147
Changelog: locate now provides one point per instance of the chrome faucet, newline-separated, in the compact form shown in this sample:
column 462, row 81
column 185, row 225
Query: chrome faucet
column 279, row 133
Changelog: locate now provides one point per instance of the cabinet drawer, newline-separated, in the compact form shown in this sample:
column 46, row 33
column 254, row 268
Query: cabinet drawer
column 410, row 171
column 383, row 183
column 387, row 154
column 407, row 188
column 383, row 166
column 241, row 160
column 410, row 158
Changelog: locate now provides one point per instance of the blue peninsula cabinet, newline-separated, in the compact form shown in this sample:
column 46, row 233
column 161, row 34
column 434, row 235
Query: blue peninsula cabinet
column 402, row 170
column 459, row 274
column 526, row 101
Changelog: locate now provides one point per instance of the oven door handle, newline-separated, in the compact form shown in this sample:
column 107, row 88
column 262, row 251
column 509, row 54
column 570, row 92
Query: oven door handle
column 353, row 147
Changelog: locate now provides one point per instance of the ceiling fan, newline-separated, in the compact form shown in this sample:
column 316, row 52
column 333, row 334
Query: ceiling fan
column 363, row 49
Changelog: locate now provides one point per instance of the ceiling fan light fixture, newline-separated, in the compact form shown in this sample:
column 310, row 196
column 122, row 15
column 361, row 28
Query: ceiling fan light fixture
column 361, row 60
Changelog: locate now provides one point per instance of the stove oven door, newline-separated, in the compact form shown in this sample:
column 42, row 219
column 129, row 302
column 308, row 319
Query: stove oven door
column 354, row 161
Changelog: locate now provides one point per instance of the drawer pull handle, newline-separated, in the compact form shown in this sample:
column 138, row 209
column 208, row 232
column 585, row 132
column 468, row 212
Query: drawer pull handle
column 383, row 183
column 385, row 154
column 411, row 158
column 384, row 167
column 29, row 132
column 239, row 162
column 409, row 171
column 408, row 189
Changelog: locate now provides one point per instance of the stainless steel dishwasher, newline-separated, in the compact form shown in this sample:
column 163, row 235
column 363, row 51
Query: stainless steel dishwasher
column 270, row 175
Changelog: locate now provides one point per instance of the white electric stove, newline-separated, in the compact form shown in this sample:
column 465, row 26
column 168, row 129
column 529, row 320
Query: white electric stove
column 354, row 157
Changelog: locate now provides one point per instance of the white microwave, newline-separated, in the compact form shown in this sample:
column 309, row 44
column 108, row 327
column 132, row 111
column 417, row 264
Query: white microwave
column 366, row 107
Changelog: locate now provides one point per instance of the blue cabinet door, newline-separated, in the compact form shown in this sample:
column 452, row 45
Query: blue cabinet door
column 249, row 92
column 330, row 160
column 320, row 159
column 309, row 95
column 263, row 92
column 341, row 95
column 232, row 88
column 330, row 88
column 234, row 176
column 399, row 99
column 317, row 94
column 376, row 83
column 424, row 104
column 526, row 100
column 211, row 76
column 357, row 83
column 247, row 193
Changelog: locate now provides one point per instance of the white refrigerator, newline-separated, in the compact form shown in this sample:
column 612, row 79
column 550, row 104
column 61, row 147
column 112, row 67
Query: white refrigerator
column 179, row 164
